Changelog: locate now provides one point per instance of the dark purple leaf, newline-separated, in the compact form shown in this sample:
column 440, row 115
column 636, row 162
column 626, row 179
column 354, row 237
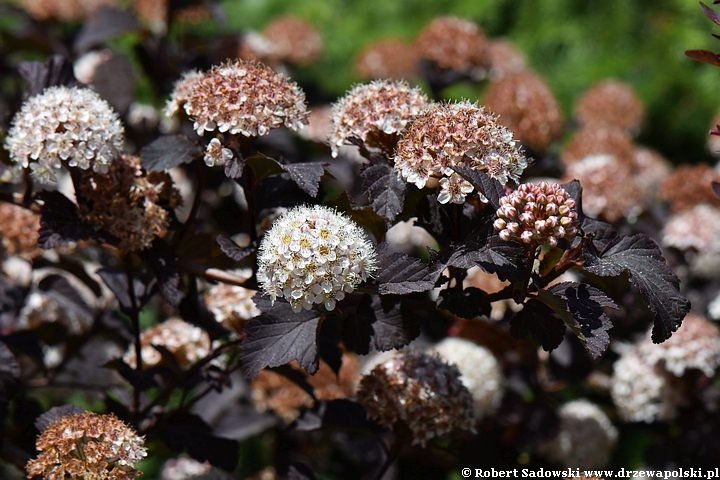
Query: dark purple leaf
column 401, row 274
column 329, row 345
column 116, row 281
column 61, row 290
column 483, row 183
column 263, row 166
column 188, row 432
column 232, row 249
column 301, row 471
column 385, row 190
column 193, row 310
column 716, row 189
column 468, row 303
column 540, row 322
column 60, row 222
column 581, row 307
column 710, row 13
column 27, row 342
column 167, row 152
column 306, row 175
column 57, row 70
column 279, row 336
column 161, row 261
column 380, row 323
column 106, row 24
column 9, row 371
column 640, row 256
column 505, row 259
column 342, row 413
column 54, row 414
column 704, row 56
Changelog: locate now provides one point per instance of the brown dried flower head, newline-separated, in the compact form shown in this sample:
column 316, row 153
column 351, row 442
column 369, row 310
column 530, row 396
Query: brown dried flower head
column 419, row 390
column 272, row 391
column 525, row 105
column 64, row 9
column 537, row 214
column 186, row 342
column 64, row 126
column 19, row 231
column 392, row 58
column 599, row 141
column 294, row 40
column 613, row 104
column 504, row 59
column 88, row 445
column 690, row 185
column 462, row 134
column 609, row 188
column 126, row 202
column 453, row 43
column 373, row 111
column 245, row 98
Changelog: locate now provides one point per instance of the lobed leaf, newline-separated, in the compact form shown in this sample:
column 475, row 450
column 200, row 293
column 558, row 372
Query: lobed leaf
column 483, row 183
column 279, row 336
column 232, row 249
column 60, row 222
column 385, row 190
column 467, row 303
column 306, row 175
column 379, row 323
column 167, row 152
column 540, row 322
column 54, row 414
column 106, row 24
column 640, row 256
column 584, row 305
column 401, row 274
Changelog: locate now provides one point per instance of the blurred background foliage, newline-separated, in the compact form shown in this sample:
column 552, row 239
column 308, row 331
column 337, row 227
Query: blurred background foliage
column 572, row 43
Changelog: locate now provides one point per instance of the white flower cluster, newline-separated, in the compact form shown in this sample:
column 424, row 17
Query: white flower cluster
column 314, row 255
column 480, row 372
column 647, row 379
column 66, row 125
column 642, row 392
column 586, row 438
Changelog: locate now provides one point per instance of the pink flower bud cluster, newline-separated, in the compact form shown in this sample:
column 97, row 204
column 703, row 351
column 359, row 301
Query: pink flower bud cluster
column 537, row 214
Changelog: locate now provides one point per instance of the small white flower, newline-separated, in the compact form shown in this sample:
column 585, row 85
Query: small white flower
column 314, row 255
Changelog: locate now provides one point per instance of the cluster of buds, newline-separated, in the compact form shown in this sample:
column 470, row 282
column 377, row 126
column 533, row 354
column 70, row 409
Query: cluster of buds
column 537, row 214
column 391, row 58
column 419, row 390
column 88, row 445
column 453, row 43
column 314, row 255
